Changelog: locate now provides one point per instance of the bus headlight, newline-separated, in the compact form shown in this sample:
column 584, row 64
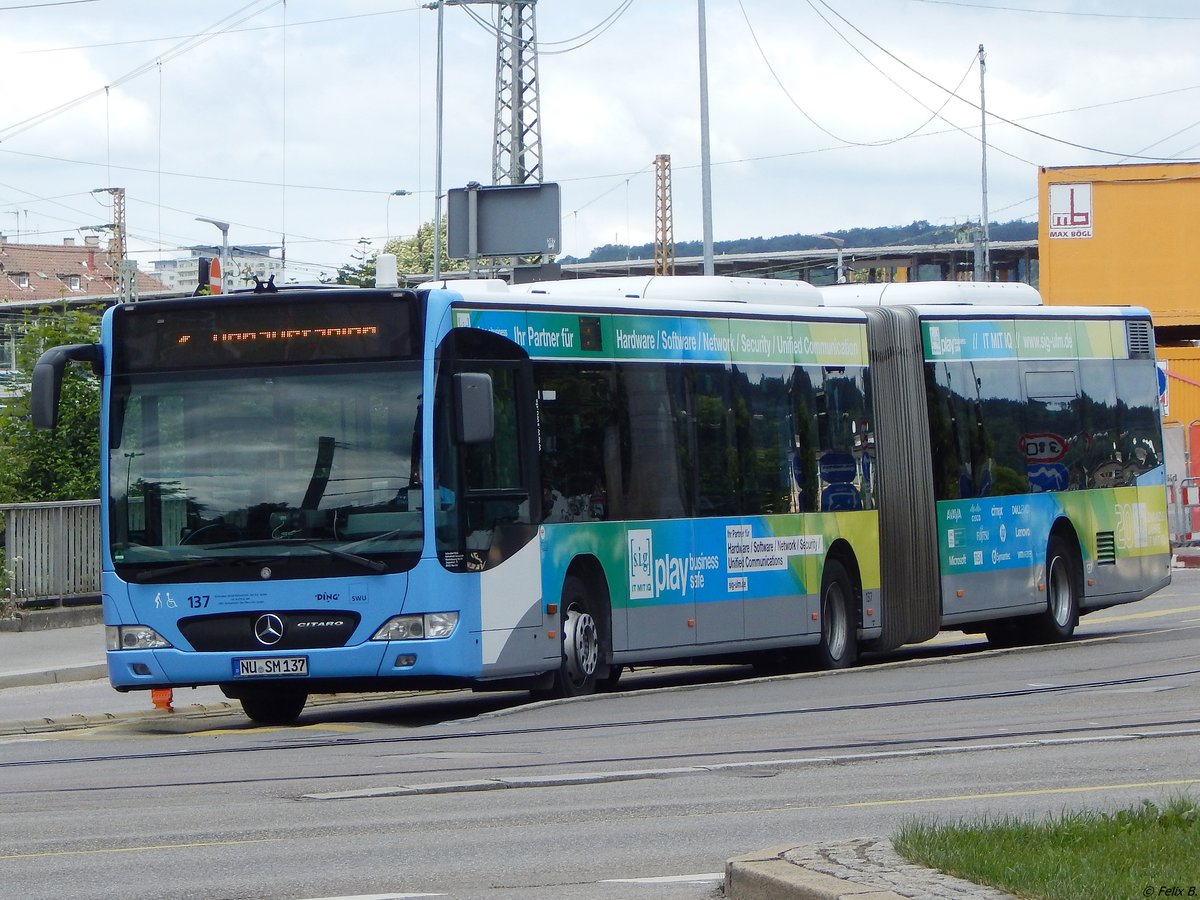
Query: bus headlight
column 134, row 637
column 440, row 625
column 416, row 628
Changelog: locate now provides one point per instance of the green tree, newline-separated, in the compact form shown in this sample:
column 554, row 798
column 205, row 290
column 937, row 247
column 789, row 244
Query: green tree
column 414, row 255
column 360, row 271
column 63, row 464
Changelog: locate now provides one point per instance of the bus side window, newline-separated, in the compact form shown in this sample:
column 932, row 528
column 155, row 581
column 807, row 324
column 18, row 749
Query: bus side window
column 804, row 437
column 1053, row 418
column 764, row 434
column 577, row 441
column 841, row 406
column 1140, row 446
column 654, row 451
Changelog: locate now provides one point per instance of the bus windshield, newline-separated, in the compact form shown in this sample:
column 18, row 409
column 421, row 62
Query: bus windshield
column 309, row 470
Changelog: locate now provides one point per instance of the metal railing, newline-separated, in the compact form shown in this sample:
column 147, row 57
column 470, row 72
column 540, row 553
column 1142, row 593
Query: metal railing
column 51, row 552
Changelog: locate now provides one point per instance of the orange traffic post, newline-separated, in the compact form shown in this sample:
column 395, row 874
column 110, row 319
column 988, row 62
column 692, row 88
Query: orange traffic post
column 162, row 698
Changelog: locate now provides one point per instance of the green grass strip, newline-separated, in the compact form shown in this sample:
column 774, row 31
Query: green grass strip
column 1143, row 851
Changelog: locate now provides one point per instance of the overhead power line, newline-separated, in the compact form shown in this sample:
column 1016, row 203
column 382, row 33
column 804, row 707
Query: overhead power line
column 180, row 37
column 42, row 5
column 580, row 40
column 991, row 114
column 1062, row 12
column 178, row 50
column 221, row 178
column 882, row 142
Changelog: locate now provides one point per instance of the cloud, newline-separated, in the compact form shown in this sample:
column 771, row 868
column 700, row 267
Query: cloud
column 305, row 131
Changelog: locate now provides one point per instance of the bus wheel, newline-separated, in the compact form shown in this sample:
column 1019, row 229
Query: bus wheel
column 581, row 643
column 1003, row 634
column 838, row 648
column 1058, row 622
column 273, row 706
column 612, row 681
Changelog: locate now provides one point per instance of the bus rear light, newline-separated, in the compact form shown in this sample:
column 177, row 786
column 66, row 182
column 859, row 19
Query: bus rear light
column 133, row 637
column 417, row 628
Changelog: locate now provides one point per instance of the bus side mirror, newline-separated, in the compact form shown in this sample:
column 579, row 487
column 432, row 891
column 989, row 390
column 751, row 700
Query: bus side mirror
column 47, row 379
column 476, row 422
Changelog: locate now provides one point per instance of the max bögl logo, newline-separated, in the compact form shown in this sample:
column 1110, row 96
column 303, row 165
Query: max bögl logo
column 1071, row 210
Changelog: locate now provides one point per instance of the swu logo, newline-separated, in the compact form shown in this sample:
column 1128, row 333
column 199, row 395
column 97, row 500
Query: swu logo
column 641, row 564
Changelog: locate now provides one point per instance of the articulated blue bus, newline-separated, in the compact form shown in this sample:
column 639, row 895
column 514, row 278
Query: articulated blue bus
column 331, row 490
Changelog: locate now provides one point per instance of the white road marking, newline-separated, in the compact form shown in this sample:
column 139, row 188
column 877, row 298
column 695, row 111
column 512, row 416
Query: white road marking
column 669, row 879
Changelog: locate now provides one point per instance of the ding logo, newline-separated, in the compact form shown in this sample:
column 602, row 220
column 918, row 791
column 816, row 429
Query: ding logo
column 641, row 564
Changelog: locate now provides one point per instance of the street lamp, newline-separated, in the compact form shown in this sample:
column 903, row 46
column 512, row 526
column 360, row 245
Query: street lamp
column 224, row 226
column 839, row 243
column 387, row 213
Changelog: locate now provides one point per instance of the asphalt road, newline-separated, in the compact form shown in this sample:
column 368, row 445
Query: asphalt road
column 640, row 794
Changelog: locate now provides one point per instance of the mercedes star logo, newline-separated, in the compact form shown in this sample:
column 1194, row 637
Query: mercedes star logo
column 269, row 629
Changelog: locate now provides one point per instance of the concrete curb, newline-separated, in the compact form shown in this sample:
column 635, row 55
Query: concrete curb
column 769, row 875
column 80, row 721
column 193, row 710
column 862, row 869
column 61, row 675
column 57, row 617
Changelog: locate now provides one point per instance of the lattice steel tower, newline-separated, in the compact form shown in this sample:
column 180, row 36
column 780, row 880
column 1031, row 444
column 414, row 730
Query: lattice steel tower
column 517, row 152
column 117, row 248
column 664, row 228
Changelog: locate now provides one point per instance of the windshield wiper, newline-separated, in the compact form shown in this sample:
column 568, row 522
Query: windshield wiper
column 373, row 564
column 195, row 562
column 387, row 536
column 191, row 563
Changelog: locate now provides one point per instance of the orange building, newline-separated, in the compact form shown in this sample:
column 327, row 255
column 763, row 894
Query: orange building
column 1126, row 234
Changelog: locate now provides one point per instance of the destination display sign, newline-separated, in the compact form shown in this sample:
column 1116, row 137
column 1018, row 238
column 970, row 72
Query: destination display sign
column 239, row 331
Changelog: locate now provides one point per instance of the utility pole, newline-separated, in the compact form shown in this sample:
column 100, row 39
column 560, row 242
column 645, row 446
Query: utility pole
column 705, row 160
column 517, row 144
column 983, row 267
column 440, row 6
column 664, row 229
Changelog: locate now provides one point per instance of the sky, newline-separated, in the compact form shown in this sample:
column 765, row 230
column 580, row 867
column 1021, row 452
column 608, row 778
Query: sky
column 296, row 122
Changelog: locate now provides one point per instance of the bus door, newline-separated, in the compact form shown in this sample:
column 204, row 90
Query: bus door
column 486, row 505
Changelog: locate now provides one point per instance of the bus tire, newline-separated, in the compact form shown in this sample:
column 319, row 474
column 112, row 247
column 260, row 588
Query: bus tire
column 273, row 706
column 1063, row 591
column 576, row 675
column 838, row 648
column 611, row 681
column 1003, row 635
